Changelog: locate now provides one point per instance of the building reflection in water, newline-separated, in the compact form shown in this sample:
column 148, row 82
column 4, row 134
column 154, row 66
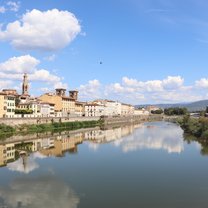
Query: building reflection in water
column 20, row 153
column 47, row 192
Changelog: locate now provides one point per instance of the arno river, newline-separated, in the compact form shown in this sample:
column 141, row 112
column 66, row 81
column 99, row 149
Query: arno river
column 145, row 165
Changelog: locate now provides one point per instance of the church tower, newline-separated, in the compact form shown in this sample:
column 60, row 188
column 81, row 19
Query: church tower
column 25, row 85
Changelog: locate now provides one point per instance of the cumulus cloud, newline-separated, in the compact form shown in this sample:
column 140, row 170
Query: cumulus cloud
column 15, row 67
column 19, row 65
column 48, row 30
column 202, row 83
column 154, row 85
column 91, row 90
column 172, row 82
column 42, row 192
column 168, row 90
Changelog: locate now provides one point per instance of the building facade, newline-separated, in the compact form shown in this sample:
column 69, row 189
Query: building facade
column 2, row 105
column 93, row 109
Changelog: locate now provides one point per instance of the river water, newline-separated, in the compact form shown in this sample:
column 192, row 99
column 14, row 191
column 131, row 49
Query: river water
column 145, row 165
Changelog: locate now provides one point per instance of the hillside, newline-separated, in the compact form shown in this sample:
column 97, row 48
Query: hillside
column 194, row 106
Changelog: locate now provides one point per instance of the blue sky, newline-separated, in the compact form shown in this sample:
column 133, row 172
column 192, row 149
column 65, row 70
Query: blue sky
column 152, row 51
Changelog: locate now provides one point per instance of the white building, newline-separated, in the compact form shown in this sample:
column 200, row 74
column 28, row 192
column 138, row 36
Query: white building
column 111, row 108
column 10, row 106
column 142, row 111
column 32, row 106
column 47, row 109
column 93, row 109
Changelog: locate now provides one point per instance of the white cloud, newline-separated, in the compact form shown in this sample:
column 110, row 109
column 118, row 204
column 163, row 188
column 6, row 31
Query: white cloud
column 5, row 84
column 202, row 83
column 15, row 67
column 13, row 6
column 173, row 82
column 91, row 90
column 130, row 90
column 30, row 33
column 19, row 65
column 45, row 76
column 60, row 85
column 29, row 166
column 154, row 85
column 2, row 9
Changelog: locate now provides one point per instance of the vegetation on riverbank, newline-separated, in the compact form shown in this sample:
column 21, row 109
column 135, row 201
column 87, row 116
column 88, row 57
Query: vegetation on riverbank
column 197, row 127
column 62, row 126
column 171, row 111
column 7, row 131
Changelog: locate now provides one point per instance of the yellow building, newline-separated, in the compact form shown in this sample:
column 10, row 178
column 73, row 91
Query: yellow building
column 79, row 108
column 64, row 104
column 56, row 150
column 68, row 106
column 10, row 152
column 3, row 156
column 52, row 98
column 2, row 105
column 70, row 143
column 127, row 110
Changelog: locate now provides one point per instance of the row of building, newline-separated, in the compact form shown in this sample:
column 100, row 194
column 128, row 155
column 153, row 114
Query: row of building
column 59, row 104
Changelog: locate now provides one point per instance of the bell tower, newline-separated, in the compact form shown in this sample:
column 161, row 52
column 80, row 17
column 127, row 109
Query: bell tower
column 25, row 85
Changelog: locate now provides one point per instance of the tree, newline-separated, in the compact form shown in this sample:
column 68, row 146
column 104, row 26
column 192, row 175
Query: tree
column 158, row 111
column 175, row 111
column 17, row 101
column 23, row 111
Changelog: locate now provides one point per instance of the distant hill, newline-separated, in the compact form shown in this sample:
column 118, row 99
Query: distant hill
column 194, row 106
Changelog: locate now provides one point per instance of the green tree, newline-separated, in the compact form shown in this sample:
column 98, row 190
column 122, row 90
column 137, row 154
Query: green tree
column 23, row 111
column 158, row 111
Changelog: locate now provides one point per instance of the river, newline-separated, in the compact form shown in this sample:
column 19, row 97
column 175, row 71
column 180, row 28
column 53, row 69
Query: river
column 144, row 165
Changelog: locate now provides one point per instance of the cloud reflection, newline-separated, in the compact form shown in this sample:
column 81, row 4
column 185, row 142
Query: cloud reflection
column 44, row 192
column 26, row 164
column 168, row 137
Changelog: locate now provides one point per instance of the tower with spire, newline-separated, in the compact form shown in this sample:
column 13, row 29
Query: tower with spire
column 25, row 86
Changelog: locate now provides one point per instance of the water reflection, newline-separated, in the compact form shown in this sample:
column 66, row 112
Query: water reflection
column 26, row 164
column 47, row 192
column 21, row 153
column 168, row 137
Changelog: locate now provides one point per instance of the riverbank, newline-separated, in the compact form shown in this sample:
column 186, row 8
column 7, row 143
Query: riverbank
column 7, row 131
column 9, row 127
column 198, row 127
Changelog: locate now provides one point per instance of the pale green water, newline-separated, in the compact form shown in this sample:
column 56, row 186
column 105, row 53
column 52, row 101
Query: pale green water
column 143, row 166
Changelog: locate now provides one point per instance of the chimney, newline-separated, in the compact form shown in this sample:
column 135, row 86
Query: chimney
column 60, row 92
column 73, row 94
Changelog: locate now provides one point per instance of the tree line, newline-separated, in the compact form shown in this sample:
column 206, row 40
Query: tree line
column 171, row 111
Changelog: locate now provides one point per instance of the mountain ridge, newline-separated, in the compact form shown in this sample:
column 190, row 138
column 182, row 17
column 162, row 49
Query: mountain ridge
column 191, row 106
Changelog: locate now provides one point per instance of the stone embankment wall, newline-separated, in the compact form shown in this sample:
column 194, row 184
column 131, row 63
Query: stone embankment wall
column 125, row 119
column 29, row 121
column 34, row 136
column 107, row 120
